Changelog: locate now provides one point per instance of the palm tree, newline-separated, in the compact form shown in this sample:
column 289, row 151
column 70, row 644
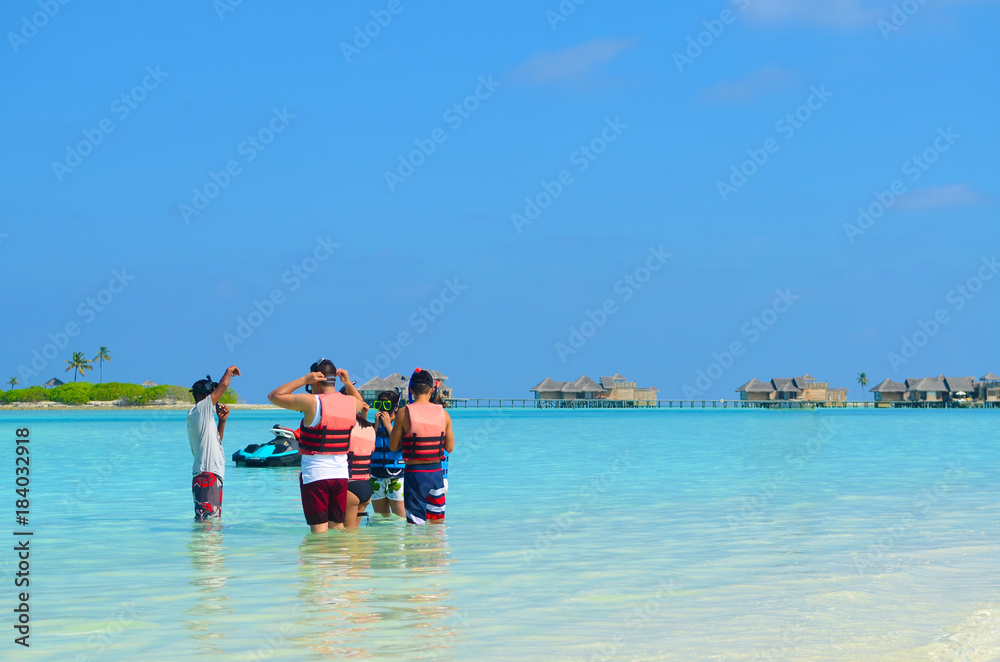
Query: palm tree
column 79, row 364
column 102, row 356
column 13, row 381
column 863, row 380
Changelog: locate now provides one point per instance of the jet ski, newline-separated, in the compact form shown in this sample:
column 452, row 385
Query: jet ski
column 281, row 451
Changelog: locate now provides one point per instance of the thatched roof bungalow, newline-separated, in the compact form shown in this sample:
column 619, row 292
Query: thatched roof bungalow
column 935, row 389
column 548, row 389
column 888, row 390
column 965, row 385
column 926, row 389
column 756, row 390
column 608, row 383
column 397, row 382
column 583, row 388
column 615, row 387
column 806, row 388
column 371, row 388
column 943, row 389
column 785, row 388
column 988, row 388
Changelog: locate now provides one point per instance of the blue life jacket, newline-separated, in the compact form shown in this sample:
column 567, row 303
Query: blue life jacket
column 385, row 463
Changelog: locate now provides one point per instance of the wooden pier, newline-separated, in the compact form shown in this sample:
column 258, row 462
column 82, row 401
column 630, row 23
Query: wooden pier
column 531, row 403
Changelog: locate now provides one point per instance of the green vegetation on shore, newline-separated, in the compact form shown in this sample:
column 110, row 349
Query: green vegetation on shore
column 128, row 395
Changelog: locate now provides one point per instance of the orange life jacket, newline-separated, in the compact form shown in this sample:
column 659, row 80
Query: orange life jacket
column 425, row 440
column 338, row 414
column 359, row 459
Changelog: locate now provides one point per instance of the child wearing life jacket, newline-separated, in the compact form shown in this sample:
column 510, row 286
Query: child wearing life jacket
column 423, row 432
column 387, row 465
column 324, row 441
column 359, row 457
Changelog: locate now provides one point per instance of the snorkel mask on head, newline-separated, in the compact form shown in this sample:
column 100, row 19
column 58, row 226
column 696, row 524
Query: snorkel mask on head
column 325, row 366
column 421, row 377
column 203, row 388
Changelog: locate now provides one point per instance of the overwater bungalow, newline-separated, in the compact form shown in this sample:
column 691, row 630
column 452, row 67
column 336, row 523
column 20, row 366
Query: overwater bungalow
column 939, row 389
column 615, row 387
column 756, row 390
column 888, row 390
column 583, row 388
column 370, row 389
column 988, row 388
column 926, row 389
column 805, row 388
column 620, row 388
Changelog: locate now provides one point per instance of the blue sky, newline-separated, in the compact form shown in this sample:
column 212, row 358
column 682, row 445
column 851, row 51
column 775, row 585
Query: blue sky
column 622, row 133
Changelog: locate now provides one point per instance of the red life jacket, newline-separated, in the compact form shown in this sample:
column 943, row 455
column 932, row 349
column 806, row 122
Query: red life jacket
column 425, row 440
column 338, row 413
column 359, row 459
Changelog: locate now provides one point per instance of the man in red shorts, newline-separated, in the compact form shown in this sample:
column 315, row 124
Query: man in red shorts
column 324, row 439
column 205, row 438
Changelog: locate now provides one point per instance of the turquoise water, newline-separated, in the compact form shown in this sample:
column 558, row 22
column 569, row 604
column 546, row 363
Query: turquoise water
column 588, row 535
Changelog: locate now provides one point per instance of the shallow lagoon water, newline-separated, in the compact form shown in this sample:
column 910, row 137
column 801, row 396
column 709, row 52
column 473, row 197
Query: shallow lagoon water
column 588, row 535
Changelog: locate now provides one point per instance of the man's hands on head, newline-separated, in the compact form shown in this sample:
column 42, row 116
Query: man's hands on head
column 314, row 378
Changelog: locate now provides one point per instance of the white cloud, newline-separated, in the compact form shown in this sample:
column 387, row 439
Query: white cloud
column 751, row 86
column 571, row 63
column 837, row 14
column 944, row 197
column 832, row 14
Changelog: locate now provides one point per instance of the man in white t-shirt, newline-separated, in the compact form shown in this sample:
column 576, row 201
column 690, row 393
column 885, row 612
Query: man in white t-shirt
column 324, row 440
column 205, row 438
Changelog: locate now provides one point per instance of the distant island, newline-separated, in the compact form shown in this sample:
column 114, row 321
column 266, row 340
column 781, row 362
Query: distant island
column 121, row 394
column 56, row 393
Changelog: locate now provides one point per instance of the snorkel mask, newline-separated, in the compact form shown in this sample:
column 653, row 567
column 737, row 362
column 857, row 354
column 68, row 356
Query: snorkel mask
column 325, row 366
column 203, row 388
